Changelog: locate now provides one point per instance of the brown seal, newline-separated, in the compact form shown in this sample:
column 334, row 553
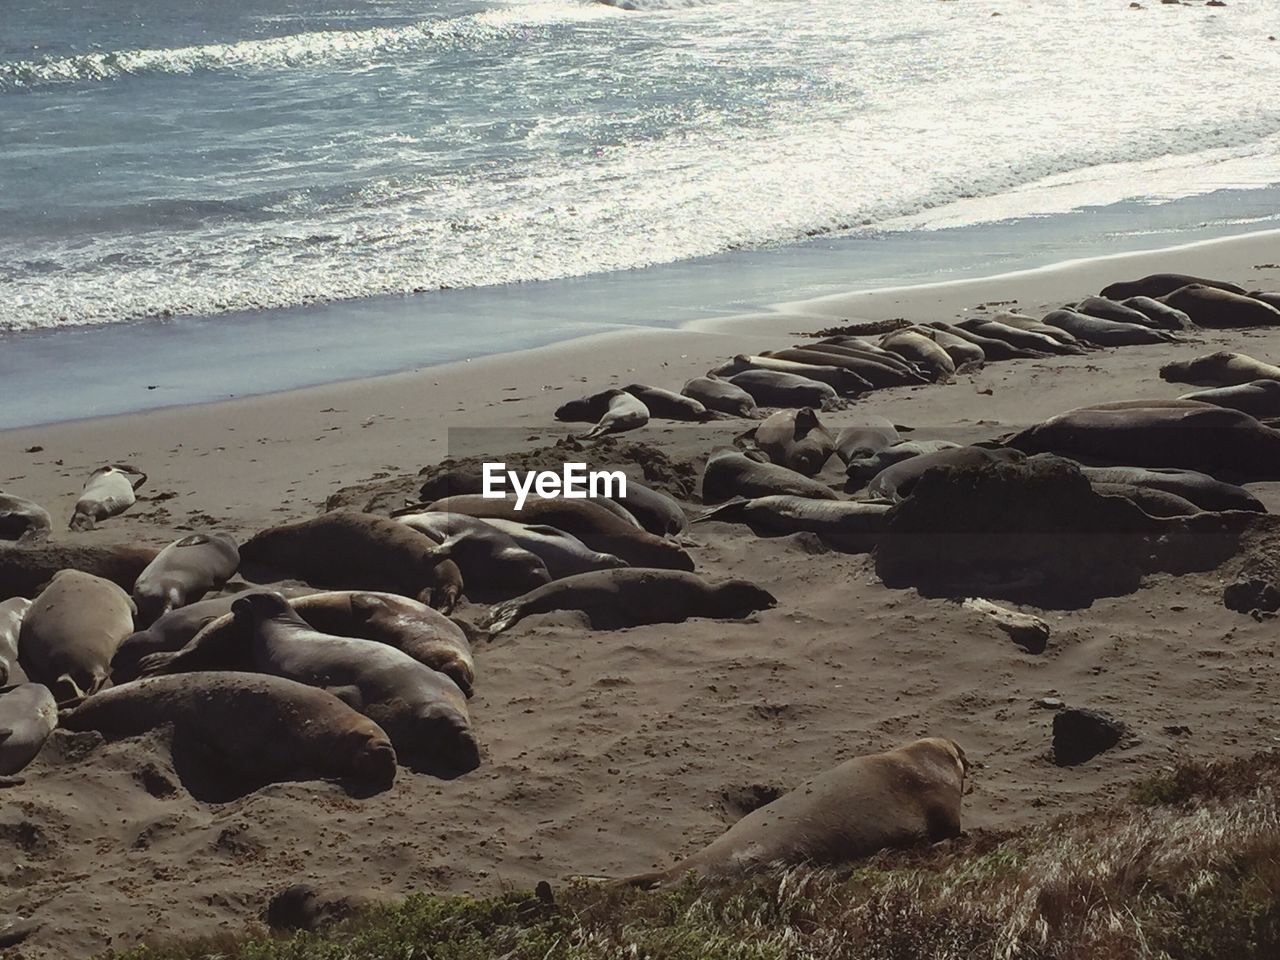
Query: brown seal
column 23, row 520
column 901, row 798
column 631, row 596
column 72, row 631
column 588, row 521
column 1221, row 369
column 729, row 474
column 797, row 440
column 1211, row 307
column 108, row 492
column 28, row 715
column 25, row 569
column 1158, row 284
column 348, row 550
column 423, row 711
column 266, row 729
column 183, row 572
column 721, row 396
column 411, row 627
column 612, row 411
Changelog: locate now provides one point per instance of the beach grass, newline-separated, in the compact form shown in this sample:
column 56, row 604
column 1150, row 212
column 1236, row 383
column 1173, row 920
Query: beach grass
column 1186, row 868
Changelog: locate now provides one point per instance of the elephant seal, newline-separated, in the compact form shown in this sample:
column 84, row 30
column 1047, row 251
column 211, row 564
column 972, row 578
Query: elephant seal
column 1025, row 339
column 1272, row 299
column 729, row 473
column 1107, row 309
column 840, row 379
column 849, row 523
column 422, row 711
column 358, row 551
column 873, row 370
column 993, row 348
column 11, row 613
column 1258, row 398
column 563, row 553
column 1199, row 489
column 109, row 492
column 1023, row 322
column 612, row 411
column 1214, row 308
column 492, row 564
column 23, row 520
column 669, row 405
column 1105, row 333
column 184, row 572
column 1153, row 502
column 855, row 348
column 797, row 440
column 1182, row 434
column 1160, row 314
column 1219, row 369
column 1159, row 284
column 900, row 798
column 960, row 351
column 72, row 631
column 862, row 469
column 588, row 521
column 895, row 482
column 170, row 632
column 721, row 396
column 26, row 568
column 864, row 439
column 922, row 350
column 626, row 598
column 263, row 728
column 406, row 625
column 28, row 714
column 455, row 483
column 773, row 389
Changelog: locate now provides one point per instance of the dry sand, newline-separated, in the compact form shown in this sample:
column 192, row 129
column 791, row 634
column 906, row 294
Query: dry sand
column 612, row 752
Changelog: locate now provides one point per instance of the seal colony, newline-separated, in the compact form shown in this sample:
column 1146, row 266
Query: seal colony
column 356, row 646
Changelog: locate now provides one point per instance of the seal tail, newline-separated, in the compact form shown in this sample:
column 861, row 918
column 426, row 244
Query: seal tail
column 715, row 512
column 157, row 664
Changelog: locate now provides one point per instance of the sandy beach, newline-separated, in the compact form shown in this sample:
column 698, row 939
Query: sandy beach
column 611, row 752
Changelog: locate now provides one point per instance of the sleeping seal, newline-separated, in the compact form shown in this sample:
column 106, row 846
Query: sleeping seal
column 1197, row 488
column 797, row 440
column 721, row 396
column 23, row 520
column 729, row 473
column 895, row 482
column 184, row 572
column 11, row 613
column 771, row 388
column 632, row 596
column 1258, row 398
column 1159, row 284
column 266, row 729
column 865, row 439
column 900, row 798
column 849, row 523
column 861, row 470
column 28, row 715
column 26, row 568
column 563, row 553
column 493, row 565
column 922, row 350
column 669, row 405
column 422, row 711
column 108, row 492
column 612, row 411
column 71, row 632
column 1219, row 369
column 1105, row 333
column 1211, row 307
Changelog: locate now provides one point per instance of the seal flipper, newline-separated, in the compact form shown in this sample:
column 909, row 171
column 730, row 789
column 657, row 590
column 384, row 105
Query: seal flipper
column 731, row 507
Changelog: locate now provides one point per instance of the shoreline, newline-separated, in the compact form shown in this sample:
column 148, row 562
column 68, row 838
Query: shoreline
column 154, row 365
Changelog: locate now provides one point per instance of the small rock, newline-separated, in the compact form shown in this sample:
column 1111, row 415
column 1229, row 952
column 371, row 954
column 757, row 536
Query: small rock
column 1030, row 633
column 1177, row 729
column 1248, row 594
column 1050, row 703
column 35, row 449
column 1080, row 735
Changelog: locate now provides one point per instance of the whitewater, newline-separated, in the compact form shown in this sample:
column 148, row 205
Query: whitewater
column 200, row 160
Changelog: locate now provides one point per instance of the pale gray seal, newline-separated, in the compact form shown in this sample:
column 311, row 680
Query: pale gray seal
column 866, row 438
column 72, row 631
column 1221, row 369
column 633, row 596
column 1023, row 322
column 28, row 714
column 264, row 728
column 729, row 473
column 109, row 491
column 922, row 350
column 612, row 411
column 901, row 798
column 873, row 370
column 669, row 405
column 11, row 613
column 797, row 440
column 184, row 572
column 1108, row 309
column 993, row 348
column 1161, row 314
column 23, row 520
column 422, row 711
column 771, row 388
column 960, row 350
column 1105, row 333
column 721, row 396
column 840, row 379
column 1024, row 339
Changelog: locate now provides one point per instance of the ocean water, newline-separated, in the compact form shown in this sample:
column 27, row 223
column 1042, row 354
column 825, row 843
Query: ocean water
column 163, row 159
